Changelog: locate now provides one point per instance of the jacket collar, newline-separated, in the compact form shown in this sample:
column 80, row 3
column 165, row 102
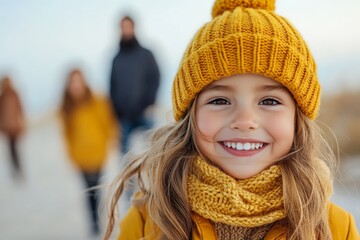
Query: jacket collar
column 128, row 44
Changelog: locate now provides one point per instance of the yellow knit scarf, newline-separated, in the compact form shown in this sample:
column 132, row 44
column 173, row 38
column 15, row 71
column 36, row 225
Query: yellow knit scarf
column 248, row 202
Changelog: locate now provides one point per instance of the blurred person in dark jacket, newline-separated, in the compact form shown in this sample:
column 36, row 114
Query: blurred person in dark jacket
column 134, row 83
column 89, row 126
column 11, row 121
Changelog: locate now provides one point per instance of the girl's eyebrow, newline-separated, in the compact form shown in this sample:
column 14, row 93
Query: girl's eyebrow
column 216, row 87
column 273, row 87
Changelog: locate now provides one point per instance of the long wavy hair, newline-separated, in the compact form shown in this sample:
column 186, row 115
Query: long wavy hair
column 68, row 102
column 162, row 170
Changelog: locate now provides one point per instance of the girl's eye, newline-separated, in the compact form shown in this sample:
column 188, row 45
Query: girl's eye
column 269, row 101
column 219, row 101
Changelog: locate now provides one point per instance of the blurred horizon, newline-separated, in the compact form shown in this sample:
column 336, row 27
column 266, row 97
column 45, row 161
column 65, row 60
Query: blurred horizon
column 42, row 40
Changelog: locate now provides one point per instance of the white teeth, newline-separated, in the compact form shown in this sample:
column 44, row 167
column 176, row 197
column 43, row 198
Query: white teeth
column 239, row 146
column 247, row 146
column 243, row 146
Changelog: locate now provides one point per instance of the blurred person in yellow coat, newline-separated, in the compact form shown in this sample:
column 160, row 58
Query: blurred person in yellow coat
column 12, row 120
column 89, row 126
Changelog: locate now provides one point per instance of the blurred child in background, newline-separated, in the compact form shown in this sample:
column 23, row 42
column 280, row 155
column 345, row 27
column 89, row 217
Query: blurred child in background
column 11, row 121
column 88, row 127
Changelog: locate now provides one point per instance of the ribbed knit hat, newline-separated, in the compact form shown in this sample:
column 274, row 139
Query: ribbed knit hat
column 246, row 36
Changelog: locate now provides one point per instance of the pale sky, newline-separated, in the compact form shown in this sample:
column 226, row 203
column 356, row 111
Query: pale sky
column 40, row 40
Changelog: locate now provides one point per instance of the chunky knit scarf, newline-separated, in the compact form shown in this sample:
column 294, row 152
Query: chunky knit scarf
column 251, row 202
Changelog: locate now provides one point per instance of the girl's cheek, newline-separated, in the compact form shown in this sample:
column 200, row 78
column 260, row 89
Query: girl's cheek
column 283, row 127
column 207, row 123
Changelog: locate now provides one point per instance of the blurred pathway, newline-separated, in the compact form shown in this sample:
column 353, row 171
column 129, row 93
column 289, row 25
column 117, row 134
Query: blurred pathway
column 49, row 203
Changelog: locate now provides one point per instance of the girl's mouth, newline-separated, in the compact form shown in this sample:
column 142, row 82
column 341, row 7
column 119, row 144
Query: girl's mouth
column 244, row 146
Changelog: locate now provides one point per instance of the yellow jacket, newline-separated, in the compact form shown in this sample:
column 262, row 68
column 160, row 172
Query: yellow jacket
column 87, row 133
column 136, row 225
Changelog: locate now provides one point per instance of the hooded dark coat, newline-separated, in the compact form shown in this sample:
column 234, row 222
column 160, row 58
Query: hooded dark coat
column 134, row 80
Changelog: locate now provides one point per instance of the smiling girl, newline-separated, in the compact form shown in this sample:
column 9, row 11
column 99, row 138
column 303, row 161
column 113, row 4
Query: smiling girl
column 244, row 158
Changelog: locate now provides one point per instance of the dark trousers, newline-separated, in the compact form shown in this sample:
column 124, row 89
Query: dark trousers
column 14, row 156
column 93, row 198
column 127, row 128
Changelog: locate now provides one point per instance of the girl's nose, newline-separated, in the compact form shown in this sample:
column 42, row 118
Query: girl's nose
column 244, row 119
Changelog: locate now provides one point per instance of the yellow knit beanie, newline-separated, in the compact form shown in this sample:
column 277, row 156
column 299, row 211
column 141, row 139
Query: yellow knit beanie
column 246, row 36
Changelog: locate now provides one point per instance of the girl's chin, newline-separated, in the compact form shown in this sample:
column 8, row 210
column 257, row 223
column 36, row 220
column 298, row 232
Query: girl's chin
column 244, row 172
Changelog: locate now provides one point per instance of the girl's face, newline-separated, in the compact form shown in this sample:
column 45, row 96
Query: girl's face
column 77, row 87
column 245, row 123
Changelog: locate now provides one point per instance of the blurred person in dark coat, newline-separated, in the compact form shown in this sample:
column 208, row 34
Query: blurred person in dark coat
column 11, row 121
column 134, row 83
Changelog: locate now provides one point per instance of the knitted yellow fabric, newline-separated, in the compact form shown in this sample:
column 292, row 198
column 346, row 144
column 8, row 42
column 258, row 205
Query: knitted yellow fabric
column 251, row 202
column 221, row 6
column 246, row 36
